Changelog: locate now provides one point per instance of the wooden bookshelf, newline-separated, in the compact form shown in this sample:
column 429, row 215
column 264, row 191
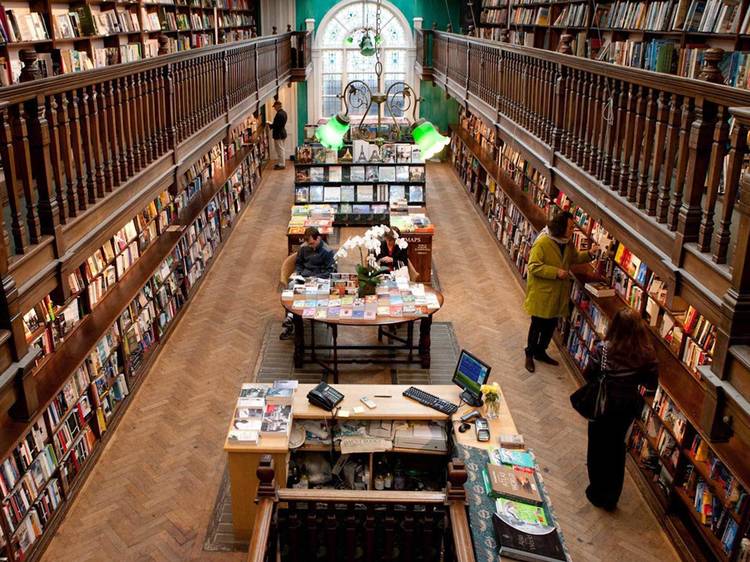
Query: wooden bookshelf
column 483, row 164
column 669, row 36
column 161, row 280
column 77, row 35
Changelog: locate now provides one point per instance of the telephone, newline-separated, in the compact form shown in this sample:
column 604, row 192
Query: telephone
column 325, row 396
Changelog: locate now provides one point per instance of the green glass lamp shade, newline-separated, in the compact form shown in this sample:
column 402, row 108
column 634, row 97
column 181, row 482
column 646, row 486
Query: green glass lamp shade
column 428, row 138
column 366, row 46
column 331, row 135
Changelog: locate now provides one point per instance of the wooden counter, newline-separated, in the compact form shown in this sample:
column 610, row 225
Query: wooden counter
column 243, row 459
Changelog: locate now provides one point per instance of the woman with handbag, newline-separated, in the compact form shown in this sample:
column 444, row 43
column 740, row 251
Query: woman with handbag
column 620, row 364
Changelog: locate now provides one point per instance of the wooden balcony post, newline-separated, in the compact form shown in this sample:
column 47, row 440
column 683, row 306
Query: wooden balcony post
column 455, row 496
column 169, row 96
column 39, row 151
column 710, row 70
column 30, row 70
column 266, row 499
column 689, row 215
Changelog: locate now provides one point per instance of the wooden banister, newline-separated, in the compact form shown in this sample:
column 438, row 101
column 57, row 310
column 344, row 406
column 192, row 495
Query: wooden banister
column 72, row 147
column 267, row 498
column 359, row 496
column 655, row 157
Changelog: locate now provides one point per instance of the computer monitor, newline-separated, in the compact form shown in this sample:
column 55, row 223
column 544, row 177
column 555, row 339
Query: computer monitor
column 471, row 373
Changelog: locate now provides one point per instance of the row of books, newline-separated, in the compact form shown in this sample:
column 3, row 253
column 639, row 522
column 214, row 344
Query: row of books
column 83, row 22
column 16, row 26
column 573, row 15
column 735, row 497
column 401, row 173
column 530, row 16
column 382, row 193
column 493, row 16
column 360, row 152
column 710, row 511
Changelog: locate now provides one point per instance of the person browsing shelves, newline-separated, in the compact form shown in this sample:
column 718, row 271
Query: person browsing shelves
column 548, row 284
column 626, row 359
column 391, row 255
column 278, row 132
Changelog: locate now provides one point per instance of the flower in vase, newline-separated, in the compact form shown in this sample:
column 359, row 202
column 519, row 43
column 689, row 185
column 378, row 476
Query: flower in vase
column 490, row 392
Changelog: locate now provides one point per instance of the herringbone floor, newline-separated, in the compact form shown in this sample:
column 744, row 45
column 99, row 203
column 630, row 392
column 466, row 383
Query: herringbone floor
column 150, row 496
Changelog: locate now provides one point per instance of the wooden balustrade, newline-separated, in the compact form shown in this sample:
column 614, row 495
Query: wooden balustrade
column 361, row 525
column 655, row 156
column 658, row 140
column 69, row 140
column 81, row 151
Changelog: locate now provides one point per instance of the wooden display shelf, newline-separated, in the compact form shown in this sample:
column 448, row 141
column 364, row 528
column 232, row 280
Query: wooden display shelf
column 710, row 537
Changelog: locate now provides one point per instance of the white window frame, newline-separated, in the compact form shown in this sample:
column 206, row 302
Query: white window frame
column 315, row 87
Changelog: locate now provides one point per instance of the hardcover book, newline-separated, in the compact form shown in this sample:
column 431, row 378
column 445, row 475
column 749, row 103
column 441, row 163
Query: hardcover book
column 527, row 542
column 512, row 482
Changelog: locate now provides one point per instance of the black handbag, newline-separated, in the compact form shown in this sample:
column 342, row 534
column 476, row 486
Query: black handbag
column 591, row 399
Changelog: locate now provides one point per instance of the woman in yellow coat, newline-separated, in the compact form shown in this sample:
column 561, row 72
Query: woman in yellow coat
column 548, row 284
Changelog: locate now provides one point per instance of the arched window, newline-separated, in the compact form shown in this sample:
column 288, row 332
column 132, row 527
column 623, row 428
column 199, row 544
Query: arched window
column 339, row 62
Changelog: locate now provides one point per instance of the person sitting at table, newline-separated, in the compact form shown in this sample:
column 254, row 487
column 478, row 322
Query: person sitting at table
column 390, row 254
column 314, row 259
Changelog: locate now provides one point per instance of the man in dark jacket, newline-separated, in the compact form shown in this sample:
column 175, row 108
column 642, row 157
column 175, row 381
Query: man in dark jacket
column 314, row 257
column 278, row 133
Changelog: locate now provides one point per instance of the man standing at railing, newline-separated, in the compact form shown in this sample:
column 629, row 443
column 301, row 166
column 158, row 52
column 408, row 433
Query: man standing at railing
column 278, row 133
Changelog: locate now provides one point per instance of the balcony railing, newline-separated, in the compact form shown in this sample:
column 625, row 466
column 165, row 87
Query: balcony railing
column 68, row 141
column 659, row 141
column 361, row 525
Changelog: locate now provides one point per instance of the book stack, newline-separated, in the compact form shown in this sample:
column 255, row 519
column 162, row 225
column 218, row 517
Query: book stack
column 522, row 522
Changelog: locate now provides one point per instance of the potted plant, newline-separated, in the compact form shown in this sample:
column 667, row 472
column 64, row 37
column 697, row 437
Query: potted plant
column 369, row 273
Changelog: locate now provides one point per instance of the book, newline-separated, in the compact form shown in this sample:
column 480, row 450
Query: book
column 250, row 390
column 277, row 419
column 279, row 395
column 522, row 513
column 511, row 441
column 500, row 455
column 512, row 482
column 527, row 542
column 600, row 289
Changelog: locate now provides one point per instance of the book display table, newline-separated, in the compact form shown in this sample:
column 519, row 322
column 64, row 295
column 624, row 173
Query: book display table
column 244, row 458
column 374, row 313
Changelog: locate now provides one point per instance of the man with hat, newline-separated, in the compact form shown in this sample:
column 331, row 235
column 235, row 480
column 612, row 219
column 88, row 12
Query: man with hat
column 278, row 133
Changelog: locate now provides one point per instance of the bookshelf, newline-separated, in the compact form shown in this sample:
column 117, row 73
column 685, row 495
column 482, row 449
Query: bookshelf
column 357, row 184
column 77, row 35
column 669, row 36
column 515, row 200
column 108, row 348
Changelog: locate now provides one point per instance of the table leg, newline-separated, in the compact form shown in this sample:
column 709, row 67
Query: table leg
column 410, row 339
column 299, row 341
column 425, row 325
column 312, row 341
column 335, row 353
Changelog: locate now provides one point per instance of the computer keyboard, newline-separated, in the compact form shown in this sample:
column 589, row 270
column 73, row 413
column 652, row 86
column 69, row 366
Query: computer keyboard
column 430, row 400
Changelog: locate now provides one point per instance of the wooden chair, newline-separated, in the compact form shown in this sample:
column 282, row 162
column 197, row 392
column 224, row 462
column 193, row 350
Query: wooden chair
column 287, row 268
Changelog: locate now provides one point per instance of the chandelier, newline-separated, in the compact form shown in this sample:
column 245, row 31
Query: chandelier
column 398, row 99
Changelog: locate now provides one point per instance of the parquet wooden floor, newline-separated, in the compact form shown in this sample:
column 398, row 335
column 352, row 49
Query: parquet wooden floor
column 150, row 496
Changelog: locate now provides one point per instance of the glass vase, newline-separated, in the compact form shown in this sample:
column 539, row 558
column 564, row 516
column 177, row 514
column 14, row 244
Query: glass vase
column 491, row 408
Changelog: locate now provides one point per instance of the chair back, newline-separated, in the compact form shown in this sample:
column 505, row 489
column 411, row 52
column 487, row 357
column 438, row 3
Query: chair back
column 413, row 273
column 287, row 268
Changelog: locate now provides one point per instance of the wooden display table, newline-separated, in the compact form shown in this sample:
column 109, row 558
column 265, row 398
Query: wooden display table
column 423, row 314
column 243, row 459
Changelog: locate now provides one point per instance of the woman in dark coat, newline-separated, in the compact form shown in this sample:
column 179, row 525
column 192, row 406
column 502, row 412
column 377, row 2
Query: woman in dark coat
column 391, row 255
column 627, row 356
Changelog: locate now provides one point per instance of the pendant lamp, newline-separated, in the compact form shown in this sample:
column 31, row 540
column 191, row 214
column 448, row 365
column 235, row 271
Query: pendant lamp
column 428, row 138
column 331, row 135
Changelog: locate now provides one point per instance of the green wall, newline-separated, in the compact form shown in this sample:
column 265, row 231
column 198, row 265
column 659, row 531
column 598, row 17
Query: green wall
column 435, row 107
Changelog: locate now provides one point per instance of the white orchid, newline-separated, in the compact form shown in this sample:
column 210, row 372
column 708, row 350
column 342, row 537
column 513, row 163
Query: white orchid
column 370, row 241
